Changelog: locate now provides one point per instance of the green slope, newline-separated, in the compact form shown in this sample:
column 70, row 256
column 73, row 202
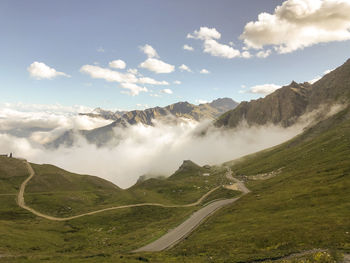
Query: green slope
column 100, row 237
column 56, row 192
column 306, row 206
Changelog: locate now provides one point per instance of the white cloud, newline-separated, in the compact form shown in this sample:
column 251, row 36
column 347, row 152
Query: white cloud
column 246, row 54
column 100, row 49
column 204, row 71
column 149, row 51
column 109, row 75
column 177, row 82
column 183, row 67
column 40, row 70
column 158, row 149
column 43, row 123
column 212, row 46
column 118, row 64
column 216, row 49
column 157, row 66
column 297, row 24
column 201, row 101
column 319, row 77
column 146, row 80
column 155, row 95
column 187, row 47
column 264, row 89
column 133, row 71
column 132, row 88
column 205, row 33
column 166, row 91
column 264, row 53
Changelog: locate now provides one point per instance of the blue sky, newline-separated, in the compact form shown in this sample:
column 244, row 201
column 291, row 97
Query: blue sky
column 66, row 35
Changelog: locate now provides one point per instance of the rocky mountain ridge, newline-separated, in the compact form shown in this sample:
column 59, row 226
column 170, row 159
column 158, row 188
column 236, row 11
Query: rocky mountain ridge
column 287, row 104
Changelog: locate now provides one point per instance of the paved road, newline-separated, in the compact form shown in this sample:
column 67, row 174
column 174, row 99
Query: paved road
column 21, row 203
column 179, row 233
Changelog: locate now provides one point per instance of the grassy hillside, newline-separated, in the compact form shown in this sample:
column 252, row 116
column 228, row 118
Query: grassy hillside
column 100, row 237
column 304, row 207
column 57, row 192
column 12, row 174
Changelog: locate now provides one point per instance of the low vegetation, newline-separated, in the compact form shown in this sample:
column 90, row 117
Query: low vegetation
column 305, row 207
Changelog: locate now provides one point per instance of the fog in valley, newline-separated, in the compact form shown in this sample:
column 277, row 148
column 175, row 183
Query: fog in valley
column 152, row 150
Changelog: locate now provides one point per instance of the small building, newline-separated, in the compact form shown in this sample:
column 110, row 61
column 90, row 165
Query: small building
column 206, row 174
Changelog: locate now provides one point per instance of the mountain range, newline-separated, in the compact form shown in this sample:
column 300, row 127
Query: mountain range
column 287, row 104
column 297, row 209
column 172, row 113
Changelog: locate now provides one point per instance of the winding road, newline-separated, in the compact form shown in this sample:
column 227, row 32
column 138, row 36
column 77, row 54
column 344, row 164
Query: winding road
column 21, row 202
column 172, row 237
column 177, row 234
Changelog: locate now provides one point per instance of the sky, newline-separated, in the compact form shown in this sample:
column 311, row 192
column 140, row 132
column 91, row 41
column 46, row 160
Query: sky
column 144, row 53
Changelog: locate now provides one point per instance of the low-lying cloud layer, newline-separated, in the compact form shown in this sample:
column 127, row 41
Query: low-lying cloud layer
column 154, row 150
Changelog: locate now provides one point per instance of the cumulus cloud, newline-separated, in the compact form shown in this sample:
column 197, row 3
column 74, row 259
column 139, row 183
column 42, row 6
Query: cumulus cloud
column 157, row 66
column 216, row 49
column 118, row 64
column 128, row 80
column 264, row 89
column 201, row 101
column 212, row 46
column 40, row 70
column 132, row 88
column 183, row 67
column 149, row 51
column 204, row 71
column 297, row 24
column 109, row 75
column 133, row 71
column 263, row 53
column 187, row 47
column 205, row 33
column 146, row 80
column 177, row 82
column 246, row 54
column 166, row 91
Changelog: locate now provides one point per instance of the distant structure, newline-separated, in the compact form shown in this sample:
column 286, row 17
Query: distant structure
column 206, row 174
column 10, row 155
column 3, row 155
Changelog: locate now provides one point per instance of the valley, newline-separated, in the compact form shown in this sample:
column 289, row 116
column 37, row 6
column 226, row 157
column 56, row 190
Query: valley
column 287, row 203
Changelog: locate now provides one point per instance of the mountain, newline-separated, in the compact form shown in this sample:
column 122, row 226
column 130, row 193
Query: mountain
column 293, row 211
column 104, row 114
column 285, row 218
column 180, row 109
column 171, row 113
column 287, row 104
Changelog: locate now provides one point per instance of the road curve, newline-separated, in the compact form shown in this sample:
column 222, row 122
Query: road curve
column 21, row 203
column 177, row 234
